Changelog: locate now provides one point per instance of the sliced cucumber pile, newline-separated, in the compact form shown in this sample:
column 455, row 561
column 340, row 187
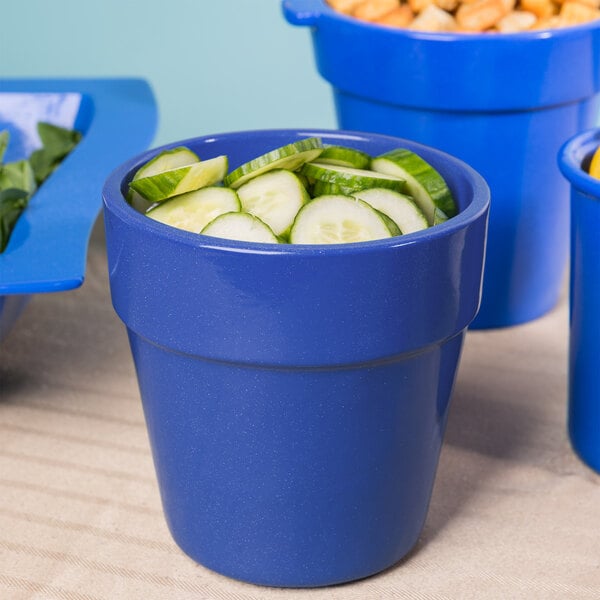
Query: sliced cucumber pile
column 275, row 197
column 345, row 157
column 193, row 211
column 240, row 226
column 180, row 180
column 290, row 157
column 399, row 207
column 167, row 160
column 301, row 193
column 350, row 178
column 426, row 186
column 337, row 220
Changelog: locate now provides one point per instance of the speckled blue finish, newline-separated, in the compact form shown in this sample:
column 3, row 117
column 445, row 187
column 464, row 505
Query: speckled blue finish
column 48, row 247
column 584, row 345
column 296, row 396
column 502, row 103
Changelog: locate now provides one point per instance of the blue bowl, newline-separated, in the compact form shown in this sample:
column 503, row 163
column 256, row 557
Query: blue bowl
column 502, row 103
column 584, row 336
column 296, row 396
column 48, row 247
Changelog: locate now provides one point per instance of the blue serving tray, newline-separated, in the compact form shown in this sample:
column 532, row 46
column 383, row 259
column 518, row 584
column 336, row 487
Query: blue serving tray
column 48, row 247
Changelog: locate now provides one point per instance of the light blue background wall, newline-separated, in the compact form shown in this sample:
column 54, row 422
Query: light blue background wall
column 215, row 65
column 219, row 65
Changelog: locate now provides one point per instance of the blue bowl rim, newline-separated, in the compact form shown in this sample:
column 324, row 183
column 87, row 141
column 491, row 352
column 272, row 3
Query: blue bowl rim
column 570, row 161
column 322, row 8
column 115, row 202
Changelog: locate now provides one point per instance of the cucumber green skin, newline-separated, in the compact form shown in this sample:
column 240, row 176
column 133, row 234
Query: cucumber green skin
column 389, row 223
column 265, row 234
column 349, row 182
column 304, row 181
column 299, row 225
column 345, row 157
column 439, row 216
column 192, row 211
column 167, row 160
column 402, row 209
column 157, row 188
column 291, row 157
column 138, row 202
column 426, row 176
column 325, row 188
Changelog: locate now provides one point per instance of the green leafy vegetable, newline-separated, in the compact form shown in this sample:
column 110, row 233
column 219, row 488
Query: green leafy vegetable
column 18, row 175
column 21, row 178
column 3, row 143
column 56, row 144
column 12, row 204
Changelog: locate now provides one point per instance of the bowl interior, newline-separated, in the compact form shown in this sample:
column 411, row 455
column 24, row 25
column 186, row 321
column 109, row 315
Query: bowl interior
column 468, row 188
column 255, row 288
column 574, row 161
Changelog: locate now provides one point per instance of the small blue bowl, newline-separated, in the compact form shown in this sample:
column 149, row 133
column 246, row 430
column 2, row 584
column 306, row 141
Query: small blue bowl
column 48, row 247
column 584, row 338
column 503, row 103
column 296, row 396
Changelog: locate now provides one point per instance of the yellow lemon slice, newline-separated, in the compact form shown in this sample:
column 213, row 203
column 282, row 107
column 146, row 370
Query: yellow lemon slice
column 595, row 164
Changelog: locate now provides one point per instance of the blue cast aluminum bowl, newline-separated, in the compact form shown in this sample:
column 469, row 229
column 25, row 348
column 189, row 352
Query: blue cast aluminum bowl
column 503, row 103
column 584, row 338
column 296, row 396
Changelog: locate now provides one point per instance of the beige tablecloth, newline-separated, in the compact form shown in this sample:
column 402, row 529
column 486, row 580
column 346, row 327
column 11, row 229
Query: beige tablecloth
column 514, row 513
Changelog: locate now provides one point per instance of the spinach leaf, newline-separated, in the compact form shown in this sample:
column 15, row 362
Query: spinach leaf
column 19, row 175
column 12, row 204
column 3, row 143
column 57, row 142
column 20, row 179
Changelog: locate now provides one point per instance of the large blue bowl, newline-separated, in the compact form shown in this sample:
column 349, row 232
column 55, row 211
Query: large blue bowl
column 503, row 103
column 48, row 247
column 296, row 396
column 584, row 338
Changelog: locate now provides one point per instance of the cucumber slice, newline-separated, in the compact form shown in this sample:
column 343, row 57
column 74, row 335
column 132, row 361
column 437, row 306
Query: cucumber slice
column 337, row 220
column 400, row 208
column 389, row 223
column 274, row 197
column 136, row 201
column 240, row 226
column 439, row 216
column 349, row 177
column 167, row 160
column 291, row 157
column 423, row 182
column 324, row 188
column 345, row 157
column 194, row 210
column 167, row 184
